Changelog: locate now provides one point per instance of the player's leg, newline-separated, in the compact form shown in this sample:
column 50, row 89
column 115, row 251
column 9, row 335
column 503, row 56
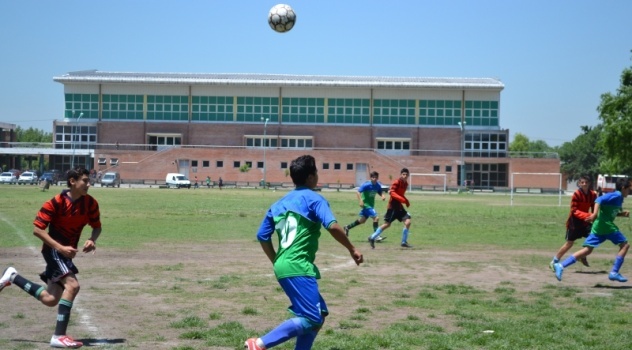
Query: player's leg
column 406, row 220
column 361, row 220
column 624, row 246
column 388, row 218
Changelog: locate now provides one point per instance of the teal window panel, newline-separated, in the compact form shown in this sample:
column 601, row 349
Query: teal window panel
column 432, row 104
column 468, row 113
column 302, row 110
column 440, row 104
column 184, row 108
column 485, row 113
column 423, row 112
column 457, row 104
column 423, row 120
column 222, row 109
column 448, row 104
column 377, row 103
column 477, row 104
column 439, row 112
column 485, row 104
column 477, row 113
column 196, row 99
column 274, row 109
column 493, row 121
column 150, row 99
column 423, row 103
column 485, row 122
column 320, row 119
column 457, row 112
column 364, row 119
column 448, row 112
column 357, row 119
column 431, row 112
column 76, row 97
column 493, row 114
column 69, row 106
column 493, row 105
column 468, row 104
column 432, row 121
column 249, row 100
column 386, row 103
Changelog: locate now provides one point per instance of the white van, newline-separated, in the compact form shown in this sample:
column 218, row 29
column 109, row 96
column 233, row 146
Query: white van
column 177, row 180
column 111, row 179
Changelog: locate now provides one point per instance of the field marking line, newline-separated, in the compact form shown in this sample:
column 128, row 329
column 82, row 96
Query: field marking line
column 84, row 315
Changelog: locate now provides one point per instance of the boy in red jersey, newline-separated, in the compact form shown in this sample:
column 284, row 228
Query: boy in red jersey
column 65, row 216
column 582, row 204
column 395, row 209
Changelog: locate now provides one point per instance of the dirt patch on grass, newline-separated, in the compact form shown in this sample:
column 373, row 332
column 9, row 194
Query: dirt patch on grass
column 131, row 299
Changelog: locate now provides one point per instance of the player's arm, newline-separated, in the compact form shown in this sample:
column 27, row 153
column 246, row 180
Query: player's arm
column 594, row 214
column 42, row 234
column 395, row 195
column 339, row 235
column 90, row 244
column 264, row 236
column 268, row 249
column 360, row 201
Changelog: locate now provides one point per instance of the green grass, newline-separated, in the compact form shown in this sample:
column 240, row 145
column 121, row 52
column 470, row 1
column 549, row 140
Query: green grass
column 390, row 302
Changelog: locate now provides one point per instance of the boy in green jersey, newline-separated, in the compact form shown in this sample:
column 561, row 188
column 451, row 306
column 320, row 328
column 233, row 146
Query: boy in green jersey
column 297, row 218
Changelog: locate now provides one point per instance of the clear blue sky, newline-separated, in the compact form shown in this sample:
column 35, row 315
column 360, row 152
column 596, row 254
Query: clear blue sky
column 555, row 57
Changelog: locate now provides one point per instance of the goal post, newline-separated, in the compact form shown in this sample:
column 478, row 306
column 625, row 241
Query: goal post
column 421, row 179
column 557, row 180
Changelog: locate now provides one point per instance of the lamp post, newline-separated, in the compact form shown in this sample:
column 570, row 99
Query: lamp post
column 265, row 126
column 462, row 126
column 74, row 135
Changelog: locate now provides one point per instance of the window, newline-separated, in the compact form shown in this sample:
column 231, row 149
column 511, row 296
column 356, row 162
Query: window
column 336, row 166
column 448, row 168
column 102, row 161
column 259, row 165
column 114, row 161
column 393, row 145
column 283, row 165
column 194, row 163
column 206, row 164
column 436, row 168
column 219, row 164
column 212, row 108
column 348, row 111
column 303, row 110
column 248, row 163
column 349, row 166
column 161, row 142
column 398, row 112
column 485, row 144
column 167, row 107
column 236, row 164
column 325, row 166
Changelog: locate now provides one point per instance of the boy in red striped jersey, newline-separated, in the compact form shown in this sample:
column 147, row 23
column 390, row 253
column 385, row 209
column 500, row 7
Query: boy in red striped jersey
column 65, row 216
column 582, row 204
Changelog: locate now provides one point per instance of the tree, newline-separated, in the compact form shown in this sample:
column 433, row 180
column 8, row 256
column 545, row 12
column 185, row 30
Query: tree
column 33, row 135
column 522, row 146
column 583, row 155
column 615, row 110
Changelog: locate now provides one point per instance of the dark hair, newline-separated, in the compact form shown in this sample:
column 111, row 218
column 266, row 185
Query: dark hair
column 405, row 170
column 76, row 174
column 301, row 168
column 622, row 183
column 375, row 174
column 586, row 177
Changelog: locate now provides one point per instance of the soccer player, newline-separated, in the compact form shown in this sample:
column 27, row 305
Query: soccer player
column 582, row 203
column 395, row 209
column 65, row 216
column 366, row 197
column 297, row 218
column 607, row 208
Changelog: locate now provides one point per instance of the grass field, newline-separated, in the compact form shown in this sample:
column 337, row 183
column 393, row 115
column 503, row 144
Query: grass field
column 181, row 269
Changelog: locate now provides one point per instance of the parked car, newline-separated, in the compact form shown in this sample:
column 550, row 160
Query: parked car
column 111, row 179
column 177, row 180
column 8, row 178
column 27, row 177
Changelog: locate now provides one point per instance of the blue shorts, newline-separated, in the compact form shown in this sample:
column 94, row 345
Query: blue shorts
column 305, row 298
column 594, row 240
column 368, row 213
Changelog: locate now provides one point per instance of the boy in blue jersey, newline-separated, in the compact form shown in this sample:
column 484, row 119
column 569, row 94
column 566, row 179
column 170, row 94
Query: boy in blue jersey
column 607, row 208
column 297, row 218
column 366, row 196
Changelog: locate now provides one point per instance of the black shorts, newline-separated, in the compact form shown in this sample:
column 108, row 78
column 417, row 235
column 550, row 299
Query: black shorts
column 57, row 266
column 577, row 232
column 392, row 215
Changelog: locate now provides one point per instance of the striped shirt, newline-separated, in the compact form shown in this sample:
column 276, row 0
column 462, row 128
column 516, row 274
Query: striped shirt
column 66, row 219
column 581, row 206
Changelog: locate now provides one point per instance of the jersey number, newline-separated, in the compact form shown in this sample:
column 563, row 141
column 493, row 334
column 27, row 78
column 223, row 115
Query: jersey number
column 287, row 229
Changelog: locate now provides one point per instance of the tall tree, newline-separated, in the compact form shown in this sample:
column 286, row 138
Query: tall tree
column 33, row 135
column 615, row 110
column 583, row 155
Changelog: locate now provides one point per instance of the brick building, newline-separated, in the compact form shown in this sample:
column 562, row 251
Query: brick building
column 246, row 127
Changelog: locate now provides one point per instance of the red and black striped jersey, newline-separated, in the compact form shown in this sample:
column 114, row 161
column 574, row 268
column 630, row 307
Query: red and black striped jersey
column 66, row 219
column 581, row 206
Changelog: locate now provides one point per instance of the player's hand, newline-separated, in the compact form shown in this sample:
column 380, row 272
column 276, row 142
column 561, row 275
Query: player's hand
column 357, row 256
column 361, row 204
column 68, row 251
column 625, row 213
column 89, row 246
column 407, row 203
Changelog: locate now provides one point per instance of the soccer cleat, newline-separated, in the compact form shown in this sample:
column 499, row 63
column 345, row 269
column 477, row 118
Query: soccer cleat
column 615, row 276
column 346, row 228
column 584, row 262
column 380, row 238
column 371, row 242
column 406, row 245
column 551, row 265
column 251, row 344
column 5, row 280
column 559, row 270
column 64, row 341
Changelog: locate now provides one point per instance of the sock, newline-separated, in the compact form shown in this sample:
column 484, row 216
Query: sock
column 555, row 260
column 569, row 261
column 33, row 289
column 375, row 225
column 353, row 224
column 63, row 316
column 618, row 261
column 405, row 235
column 376, row 233
column 283, row 332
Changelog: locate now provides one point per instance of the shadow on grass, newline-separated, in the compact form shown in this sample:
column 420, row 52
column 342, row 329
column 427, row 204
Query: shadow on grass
column 101, row 342
column 607, row 286
column 602, row 272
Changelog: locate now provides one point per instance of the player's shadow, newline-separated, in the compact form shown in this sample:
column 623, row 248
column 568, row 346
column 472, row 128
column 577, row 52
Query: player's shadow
column 602, row 272
column 608, row 286
column 102, row 341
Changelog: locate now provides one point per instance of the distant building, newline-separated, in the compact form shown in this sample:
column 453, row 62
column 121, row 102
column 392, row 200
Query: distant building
column 148, row 124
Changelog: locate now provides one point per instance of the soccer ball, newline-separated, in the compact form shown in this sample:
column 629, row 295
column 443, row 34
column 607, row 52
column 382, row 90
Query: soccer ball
column 281, row 18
